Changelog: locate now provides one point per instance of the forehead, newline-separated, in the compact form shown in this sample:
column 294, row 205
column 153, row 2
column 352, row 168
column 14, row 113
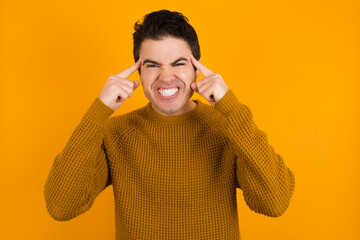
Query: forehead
column 165, row 49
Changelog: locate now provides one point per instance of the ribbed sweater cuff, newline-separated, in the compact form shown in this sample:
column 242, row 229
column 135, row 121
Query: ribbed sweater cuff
column 228, row 103
column 98, row 111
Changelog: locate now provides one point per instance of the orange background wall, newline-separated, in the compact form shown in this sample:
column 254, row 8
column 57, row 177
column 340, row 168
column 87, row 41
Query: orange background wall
column 294, row 63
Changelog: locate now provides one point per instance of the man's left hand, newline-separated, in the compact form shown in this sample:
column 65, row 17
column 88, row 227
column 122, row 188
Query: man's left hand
column 212, row 87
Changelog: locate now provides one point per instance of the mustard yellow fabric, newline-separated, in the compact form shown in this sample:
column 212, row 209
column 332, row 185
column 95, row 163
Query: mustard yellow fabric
column 173, row 177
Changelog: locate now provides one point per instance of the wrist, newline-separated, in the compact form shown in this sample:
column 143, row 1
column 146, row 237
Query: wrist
column 228, row 103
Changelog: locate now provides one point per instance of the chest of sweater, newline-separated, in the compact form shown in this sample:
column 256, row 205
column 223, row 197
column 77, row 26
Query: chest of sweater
column 172, row 161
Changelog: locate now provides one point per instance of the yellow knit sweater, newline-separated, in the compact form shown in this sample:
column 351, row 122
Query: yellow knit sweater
column 173, row 177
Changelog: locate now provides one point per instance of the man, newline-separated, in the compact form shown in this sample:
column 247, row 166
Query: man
column 174, row 164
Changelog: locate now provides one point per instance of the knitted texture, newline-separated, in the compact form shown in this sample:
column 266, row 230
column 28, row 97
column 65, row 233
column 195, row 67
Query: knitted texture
column 173, row 177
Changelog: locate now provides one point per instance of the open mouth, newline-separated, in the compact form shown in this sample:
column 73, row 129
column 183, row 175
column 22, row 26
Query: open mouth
column 167, row 92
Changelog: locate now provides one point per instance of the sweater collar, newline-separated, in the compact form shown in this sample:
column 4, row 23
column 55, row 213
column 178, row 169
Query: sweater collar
column 152, row 115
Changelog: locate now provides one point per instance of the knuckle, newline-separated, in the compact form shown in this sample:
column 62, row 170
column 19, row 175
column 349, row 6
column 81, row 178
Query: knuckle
column 113, row 83
column 113, row 80
column 119, row 88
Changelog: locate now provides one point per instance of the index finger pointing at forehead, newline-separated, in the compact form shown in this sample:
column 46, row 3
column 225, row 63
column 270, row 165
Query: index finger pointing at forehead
column 127, row 72
column 204, row 70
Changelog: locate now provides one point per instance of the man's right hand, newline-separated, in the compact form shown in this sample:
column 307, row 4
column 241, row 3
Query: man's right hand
column 118, row 88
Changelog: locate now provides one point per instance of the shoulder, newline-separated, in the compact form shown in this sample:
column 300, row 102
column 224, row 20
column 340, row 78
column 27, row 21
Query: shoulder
column 126, row 123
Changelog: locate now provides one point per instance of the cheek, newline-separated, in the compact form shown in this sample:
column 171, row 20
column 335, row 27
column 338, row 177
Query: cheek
column 187, row 76
column 147, row 78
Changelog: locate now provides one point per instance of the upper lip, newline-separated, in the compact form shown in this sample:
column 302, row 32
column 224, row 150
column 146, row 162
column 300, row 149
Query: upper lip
column 168, row 86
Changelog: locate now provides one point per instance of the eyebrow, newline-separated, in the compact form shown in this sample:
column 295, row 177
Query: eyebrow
column 173, row 63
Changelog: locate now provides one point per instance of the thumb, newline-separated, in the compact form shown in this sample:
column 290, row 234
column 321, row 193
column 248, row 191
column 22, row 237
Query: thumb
column 194, row 87
column 136, row 84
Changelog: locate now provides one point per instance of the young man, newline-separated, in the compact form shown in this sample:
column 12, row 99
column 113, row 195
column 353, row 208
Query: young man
column 174, row 164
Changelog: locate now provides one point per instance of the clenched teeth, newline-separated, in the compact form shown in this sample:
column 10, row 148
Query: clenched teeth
column 168, row 92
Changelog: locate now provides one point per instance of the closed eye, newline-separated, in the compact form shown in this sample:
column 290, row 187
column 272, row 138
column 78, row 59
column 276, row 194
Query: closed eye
column 179, row 64
column 151, row 66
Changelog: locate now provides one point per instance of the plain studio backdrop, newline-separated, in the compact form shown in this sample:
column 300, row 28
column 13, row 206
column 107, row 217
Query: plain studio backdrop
column 294, row 63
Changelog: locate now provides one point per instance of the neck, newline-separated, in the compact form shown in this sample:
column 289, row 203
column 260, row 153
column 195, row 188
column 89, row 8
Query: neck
column 190, row 115
column 189, row 106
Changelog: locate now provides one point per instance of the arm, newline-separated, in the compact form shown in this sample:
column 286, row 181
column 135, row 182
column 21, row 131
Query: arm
column 80, row 171
column 266, row 181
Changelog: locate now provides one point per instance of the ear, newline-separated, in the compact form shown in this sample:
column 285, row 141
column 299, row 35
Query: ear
column 197, row 70
column 139, row 72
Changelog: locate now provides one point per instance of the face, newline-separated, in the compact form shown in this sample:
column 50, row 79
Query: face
column 166, row 75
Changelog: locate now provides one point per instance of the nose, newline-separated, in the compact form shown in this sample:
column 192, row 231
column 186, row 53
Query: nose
column 166, row 73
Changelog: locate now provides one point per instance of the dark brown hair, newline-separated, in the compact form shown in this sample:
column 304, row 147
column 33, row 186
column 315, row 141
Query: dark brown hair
column 157, row 25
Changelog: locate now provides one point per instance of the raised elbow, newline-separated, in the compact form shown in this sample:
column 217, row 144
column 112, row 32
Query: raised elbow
column 62, row 209
column 272, row 205
column 59, row 213
column 278, row 205
column 270, row 208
